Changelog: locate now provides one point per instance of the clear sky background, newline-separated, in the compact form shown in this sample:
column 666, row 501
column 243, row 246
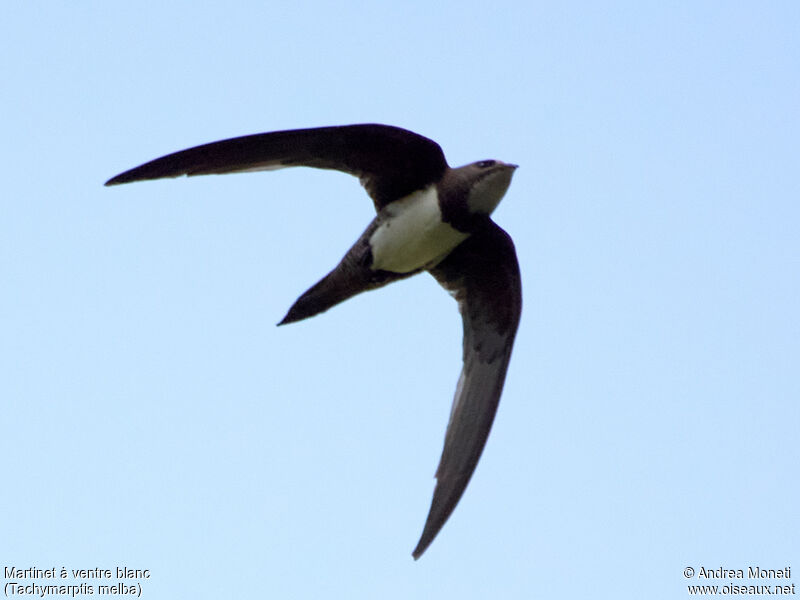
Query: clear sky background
column 154, row 416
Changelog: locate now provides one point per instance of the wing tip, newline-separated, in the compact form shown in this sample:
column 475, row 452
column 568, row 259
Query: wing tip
column 139, row 174
column 422, row 545
column 438, row 515
column 126, row 177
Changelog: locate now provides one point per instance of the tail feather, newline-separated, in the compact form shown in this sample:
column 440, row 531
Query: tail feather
column 329, row 291
column 352, row 276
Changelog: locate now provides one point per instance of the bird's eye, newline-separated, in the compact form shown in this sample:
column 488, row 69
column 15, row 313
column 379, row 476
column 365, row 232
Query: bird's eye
column 486, row 163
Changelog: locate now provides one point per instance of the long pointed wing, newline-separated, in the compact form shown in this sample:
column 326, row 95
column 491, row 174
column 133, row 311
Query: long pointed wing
column 391, row 162
column 483, row 275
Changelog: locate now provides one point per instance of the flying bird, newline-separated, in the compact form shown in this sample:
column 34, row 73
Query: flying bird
column 430, row 217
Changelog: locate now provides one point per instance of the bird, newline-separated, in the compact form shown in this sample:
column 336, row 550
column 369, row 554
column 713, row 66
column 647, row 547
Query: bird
column 429, row 217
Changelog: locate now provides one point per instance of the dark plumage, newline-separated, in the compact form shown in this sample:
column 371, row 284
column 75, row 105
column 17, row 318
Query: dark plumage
column 429, row 217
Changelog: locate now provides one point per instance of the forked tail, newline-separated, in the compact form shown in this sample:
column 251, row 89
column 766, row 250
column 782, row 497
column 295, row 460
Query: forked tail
column 351, row 276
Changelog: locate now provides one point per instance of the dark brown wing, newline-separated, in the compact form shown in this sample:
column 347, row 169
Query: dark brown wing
column 391, row 162
column 483, row 275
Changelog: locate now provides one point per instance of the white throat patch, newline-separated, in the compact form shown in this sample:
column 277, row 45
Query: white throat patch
column 411, row 234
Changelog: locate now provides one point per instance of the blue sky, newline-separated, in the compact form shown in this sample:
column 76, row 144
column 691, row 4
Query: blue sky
column 154, row 416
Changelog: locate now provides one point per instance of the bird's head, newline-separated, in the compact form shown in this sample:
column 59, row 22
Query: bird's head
column 487, row 182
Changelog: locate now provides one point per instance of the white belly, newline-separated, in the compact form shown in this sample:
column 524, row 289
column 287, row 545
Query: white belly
column 412, row 235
